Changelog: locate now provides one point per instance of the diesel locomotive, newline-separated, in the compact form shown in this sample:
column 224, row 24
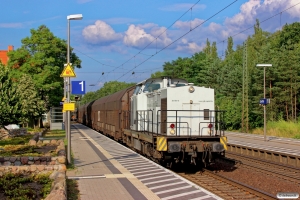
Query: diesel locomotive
column 166, row 119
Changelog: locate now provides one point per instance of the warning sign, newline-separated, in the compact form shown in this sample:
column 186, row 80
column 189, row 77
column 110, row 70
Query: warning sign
column 68, row 71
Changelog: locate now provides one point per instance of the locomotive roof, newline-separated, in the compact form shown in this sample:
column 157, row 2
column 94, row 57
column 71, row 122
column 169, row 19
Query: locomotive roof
column 160, row 79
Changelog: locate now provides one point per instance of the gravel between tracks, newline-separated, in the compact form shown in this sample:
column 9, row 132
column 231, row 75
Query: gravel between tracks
column 264, row 182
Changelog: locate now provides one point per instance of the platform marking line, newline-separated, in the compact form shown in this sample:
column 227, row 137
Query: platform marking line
column 174, row 189
column 133, row 170
column 135, row 167
column 85, row 177
column 160, row 181
column 135, row 164
column 129, row 159
column 166, row 185
column 137, row 183
column 151, row 174
column 143, row 172
column 155, row 177
column 200, row 198
column 181, row 194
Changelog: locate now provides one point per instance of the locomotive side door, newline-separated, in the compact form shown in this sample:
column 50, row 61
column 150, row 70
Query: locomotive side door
column 189, row 119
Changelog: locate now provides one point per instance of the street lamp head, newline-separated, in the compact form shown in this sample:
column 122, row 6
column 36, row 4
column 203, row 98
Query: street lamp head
column 264, row 65
column 74, row 17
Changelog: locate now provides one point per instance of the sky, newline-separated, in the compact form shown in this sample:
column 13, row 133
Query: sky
column 128, row 40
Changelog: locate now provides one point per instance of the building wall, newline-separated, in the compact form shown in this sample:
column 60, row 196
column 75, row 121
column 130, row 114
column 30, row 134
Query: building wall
column 3, row 54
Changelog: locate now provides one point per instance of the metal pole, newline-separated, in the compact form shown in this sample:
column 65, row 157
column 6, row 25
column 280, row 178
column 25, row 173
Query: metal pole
column 265, row 121
column 65, row 114
column 68, row 100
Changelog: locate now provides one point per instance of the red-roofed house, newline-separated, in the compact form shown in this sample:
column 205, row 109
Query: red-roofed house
column 3, row 54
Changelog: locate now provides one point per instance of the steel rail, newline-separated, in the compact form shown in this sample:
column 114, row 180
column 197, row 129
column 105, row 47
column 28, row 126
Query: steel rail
column 224, row 191
column 283, row 171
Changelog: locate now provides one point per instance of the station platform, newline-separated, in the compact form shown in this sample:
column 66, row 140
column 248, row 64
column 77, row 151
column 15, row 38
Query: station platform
column 277, row 144
column 106, row 169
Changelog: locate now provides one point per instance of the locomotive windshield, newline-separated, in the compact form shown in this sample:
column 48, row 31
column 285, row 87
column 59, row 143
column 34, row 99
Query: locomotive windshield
column 137, row 89
column 151, row 86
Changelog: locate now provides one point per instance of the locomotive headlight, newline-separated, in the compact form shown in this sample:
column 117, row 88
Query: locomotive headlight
column 191, row 89
column 172, row 132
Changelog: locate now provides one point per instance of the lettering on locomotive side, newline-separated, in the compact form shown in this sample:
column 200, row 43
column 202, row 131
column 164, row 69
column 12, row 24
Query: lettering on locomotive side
column 175, row 100
column 205, row 101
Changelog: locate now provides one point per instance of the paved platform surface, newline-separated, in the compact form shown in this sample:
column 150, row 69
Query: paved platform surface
column 107, row 170
column 277, row 144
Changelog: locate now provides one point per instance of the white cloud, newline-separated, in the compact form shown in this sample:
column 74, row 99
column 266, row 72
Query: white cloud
column 100, row 33
column 187, row 25
column 190, row 47
column 141, row 35
column 253, row 9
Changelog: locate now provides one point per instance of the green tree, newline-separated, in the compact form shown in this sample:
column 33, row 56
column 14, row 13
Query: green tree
column 157, row 74
column 9, row 99
column 42, row 56
column 31, row 105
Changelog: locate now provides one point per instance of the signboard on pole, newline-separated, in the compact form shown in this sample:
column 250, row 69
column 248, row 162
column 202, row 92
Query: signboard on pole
column 68, row 71
column 78, row 87
column 69, row 107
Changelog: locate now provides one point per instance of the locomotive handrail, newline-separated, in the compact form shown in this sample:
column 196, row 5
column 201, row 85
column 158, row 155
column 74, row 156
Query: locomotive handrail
column 144, row 118
column 215, row 116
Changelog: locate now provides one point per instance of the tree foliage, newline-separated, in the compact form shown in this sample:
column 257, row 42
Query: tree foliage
column 42, row 56
column 18, row 100
column 9, row 99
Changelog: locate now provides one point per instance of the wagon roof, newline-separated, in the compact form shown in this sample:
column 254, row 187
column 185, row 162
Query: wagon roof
column 113, row 97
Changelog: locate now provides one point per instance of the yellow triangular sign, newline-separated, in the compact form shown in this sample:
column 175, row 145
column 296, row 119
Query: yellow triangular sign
column 68, row 71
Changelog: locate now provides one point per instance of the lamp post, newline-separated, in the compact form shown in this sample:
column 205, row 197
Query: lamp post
column 69, row 17
column 265, row 112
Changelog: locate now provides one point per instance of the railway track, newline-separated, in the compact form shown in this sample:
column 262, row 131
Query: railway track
column 225, row 187
column 274, row 169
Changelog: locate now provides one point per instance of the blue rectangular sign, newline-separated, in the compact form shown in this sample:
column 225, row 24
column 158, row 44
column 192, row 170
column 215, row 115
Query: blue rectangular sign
column 78, row 87
column 263, row 101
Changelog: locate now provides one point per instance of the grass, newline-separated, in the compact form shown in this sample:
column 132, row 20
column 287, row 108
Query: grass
column 55, row 134
column 72, row 190
column 280, row 129
column 16, row 140
column 23, row 187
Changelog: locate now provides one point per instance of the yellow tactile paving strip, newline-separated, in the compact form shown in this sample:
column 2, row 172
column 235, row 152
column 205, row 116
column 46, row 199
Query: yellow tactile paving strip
column 125, row 173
